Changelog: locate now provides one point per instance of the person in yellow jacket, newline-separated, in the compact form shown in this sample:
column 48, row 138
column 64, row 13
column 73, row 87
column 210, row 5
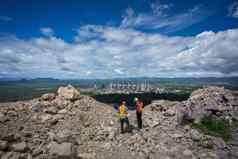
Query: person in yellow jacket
column 123, row 116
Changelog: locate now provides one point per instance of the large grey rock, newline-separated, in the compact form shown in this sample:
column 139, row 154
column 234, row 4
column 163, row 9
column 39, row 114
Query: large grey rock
column 36, row 106
column 11, row 137
column 135, row 139
column 170, row 112
column 86, row 156
column 3, row 145
column 51, row 110
column 45, row 117
column 64, row 150
column 12, row 113
column 2, row 117
column 61, row 102
column 219, row 142
column 187, row 153
column 19, row 147
column 9, row 155
column 63, row 136
column 161, row 105
column 48, row 96
column 63, row 111
column 203, row 102
column 195, row 135
column 207, row 142
column 69, row 92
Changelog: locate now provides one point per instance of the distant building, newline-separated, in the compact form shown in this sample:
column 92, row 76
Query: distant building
column 129, row 86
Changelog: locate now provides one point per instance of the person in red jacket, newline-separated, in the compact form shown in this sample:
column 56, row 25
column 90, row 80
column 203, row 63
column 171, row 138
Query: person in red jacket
column 139, row 110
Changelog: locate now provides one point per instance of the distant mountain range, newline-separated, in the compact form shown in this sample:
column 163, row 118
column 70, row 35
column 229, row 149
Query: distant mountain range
column 230, row 81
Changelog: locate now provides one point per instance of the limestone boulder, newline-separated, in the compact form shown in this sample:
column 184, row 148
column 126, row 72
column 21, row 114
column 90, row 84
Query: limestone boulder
column 85, row 156
column 195, row 135
column 2, row 117
column 3, row 145
column 51, row 110
column 69, row 93
column 19, row 147
column 48, row 97
column 207, row 101
column 36, row 106
column 45, row 117
column 63, row 150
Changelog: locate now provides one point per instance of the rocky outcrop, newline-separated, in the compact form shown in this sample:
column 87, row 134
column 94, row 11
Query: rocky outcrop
column 83, row 128
column 55, row 127
column 48, row 96
column 211, row 100
column 68, row 92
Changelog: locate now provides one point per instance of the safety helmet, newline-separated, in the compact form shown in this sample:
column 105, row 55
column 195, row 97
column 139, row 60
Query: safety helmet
column 136, row 99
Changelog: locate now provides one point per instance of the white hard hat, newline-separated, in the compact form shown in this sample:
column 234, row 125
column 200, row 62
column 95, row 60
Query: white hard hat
column 136, row 99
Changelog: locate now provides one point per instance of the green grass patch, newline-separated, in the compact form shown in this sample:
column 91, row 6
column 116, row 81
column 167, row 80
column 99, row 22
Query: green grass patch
column 215, row 126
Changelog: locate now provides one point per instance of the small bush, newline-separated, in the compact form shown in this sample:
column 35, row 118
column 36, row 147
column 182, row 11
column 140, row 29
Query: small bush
column 215, row 126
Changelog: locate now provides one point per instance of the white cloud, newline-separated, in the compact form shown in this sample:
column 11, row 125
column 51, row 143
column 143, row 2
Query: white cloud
column 129, row 12
column 159, row 18
column 117, row 52
column 88, row 73
column 5, row 18
column 160, row 9
column 119, row 71
column 233, row 10
column 47, row 31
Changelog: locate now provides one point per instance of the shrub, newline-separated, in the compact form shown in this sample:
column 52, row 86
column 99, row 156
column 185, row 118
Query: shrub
column 215, row 126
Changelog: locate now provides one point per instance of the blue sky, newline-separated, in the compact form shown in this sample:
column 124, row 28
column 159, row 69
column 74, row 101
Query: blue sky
column 106, row 39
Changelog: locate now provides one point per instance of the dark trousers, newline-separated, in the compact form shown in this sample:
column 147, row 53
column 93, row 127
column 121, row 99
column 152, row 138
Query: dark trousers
column 124, row 120
column 139, row 119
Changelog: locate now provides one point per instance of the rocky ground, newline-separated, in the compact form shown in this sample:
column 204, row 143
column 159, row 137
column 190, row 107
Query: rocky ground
column 69, row 125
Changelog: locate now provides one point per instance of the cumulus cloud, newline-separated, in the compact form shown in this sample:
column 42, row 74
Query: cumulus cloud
column 233, row 10
column 160, row 9
column 119, row 71
column 106, row 52
column 159, row 18
column 47, row 31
